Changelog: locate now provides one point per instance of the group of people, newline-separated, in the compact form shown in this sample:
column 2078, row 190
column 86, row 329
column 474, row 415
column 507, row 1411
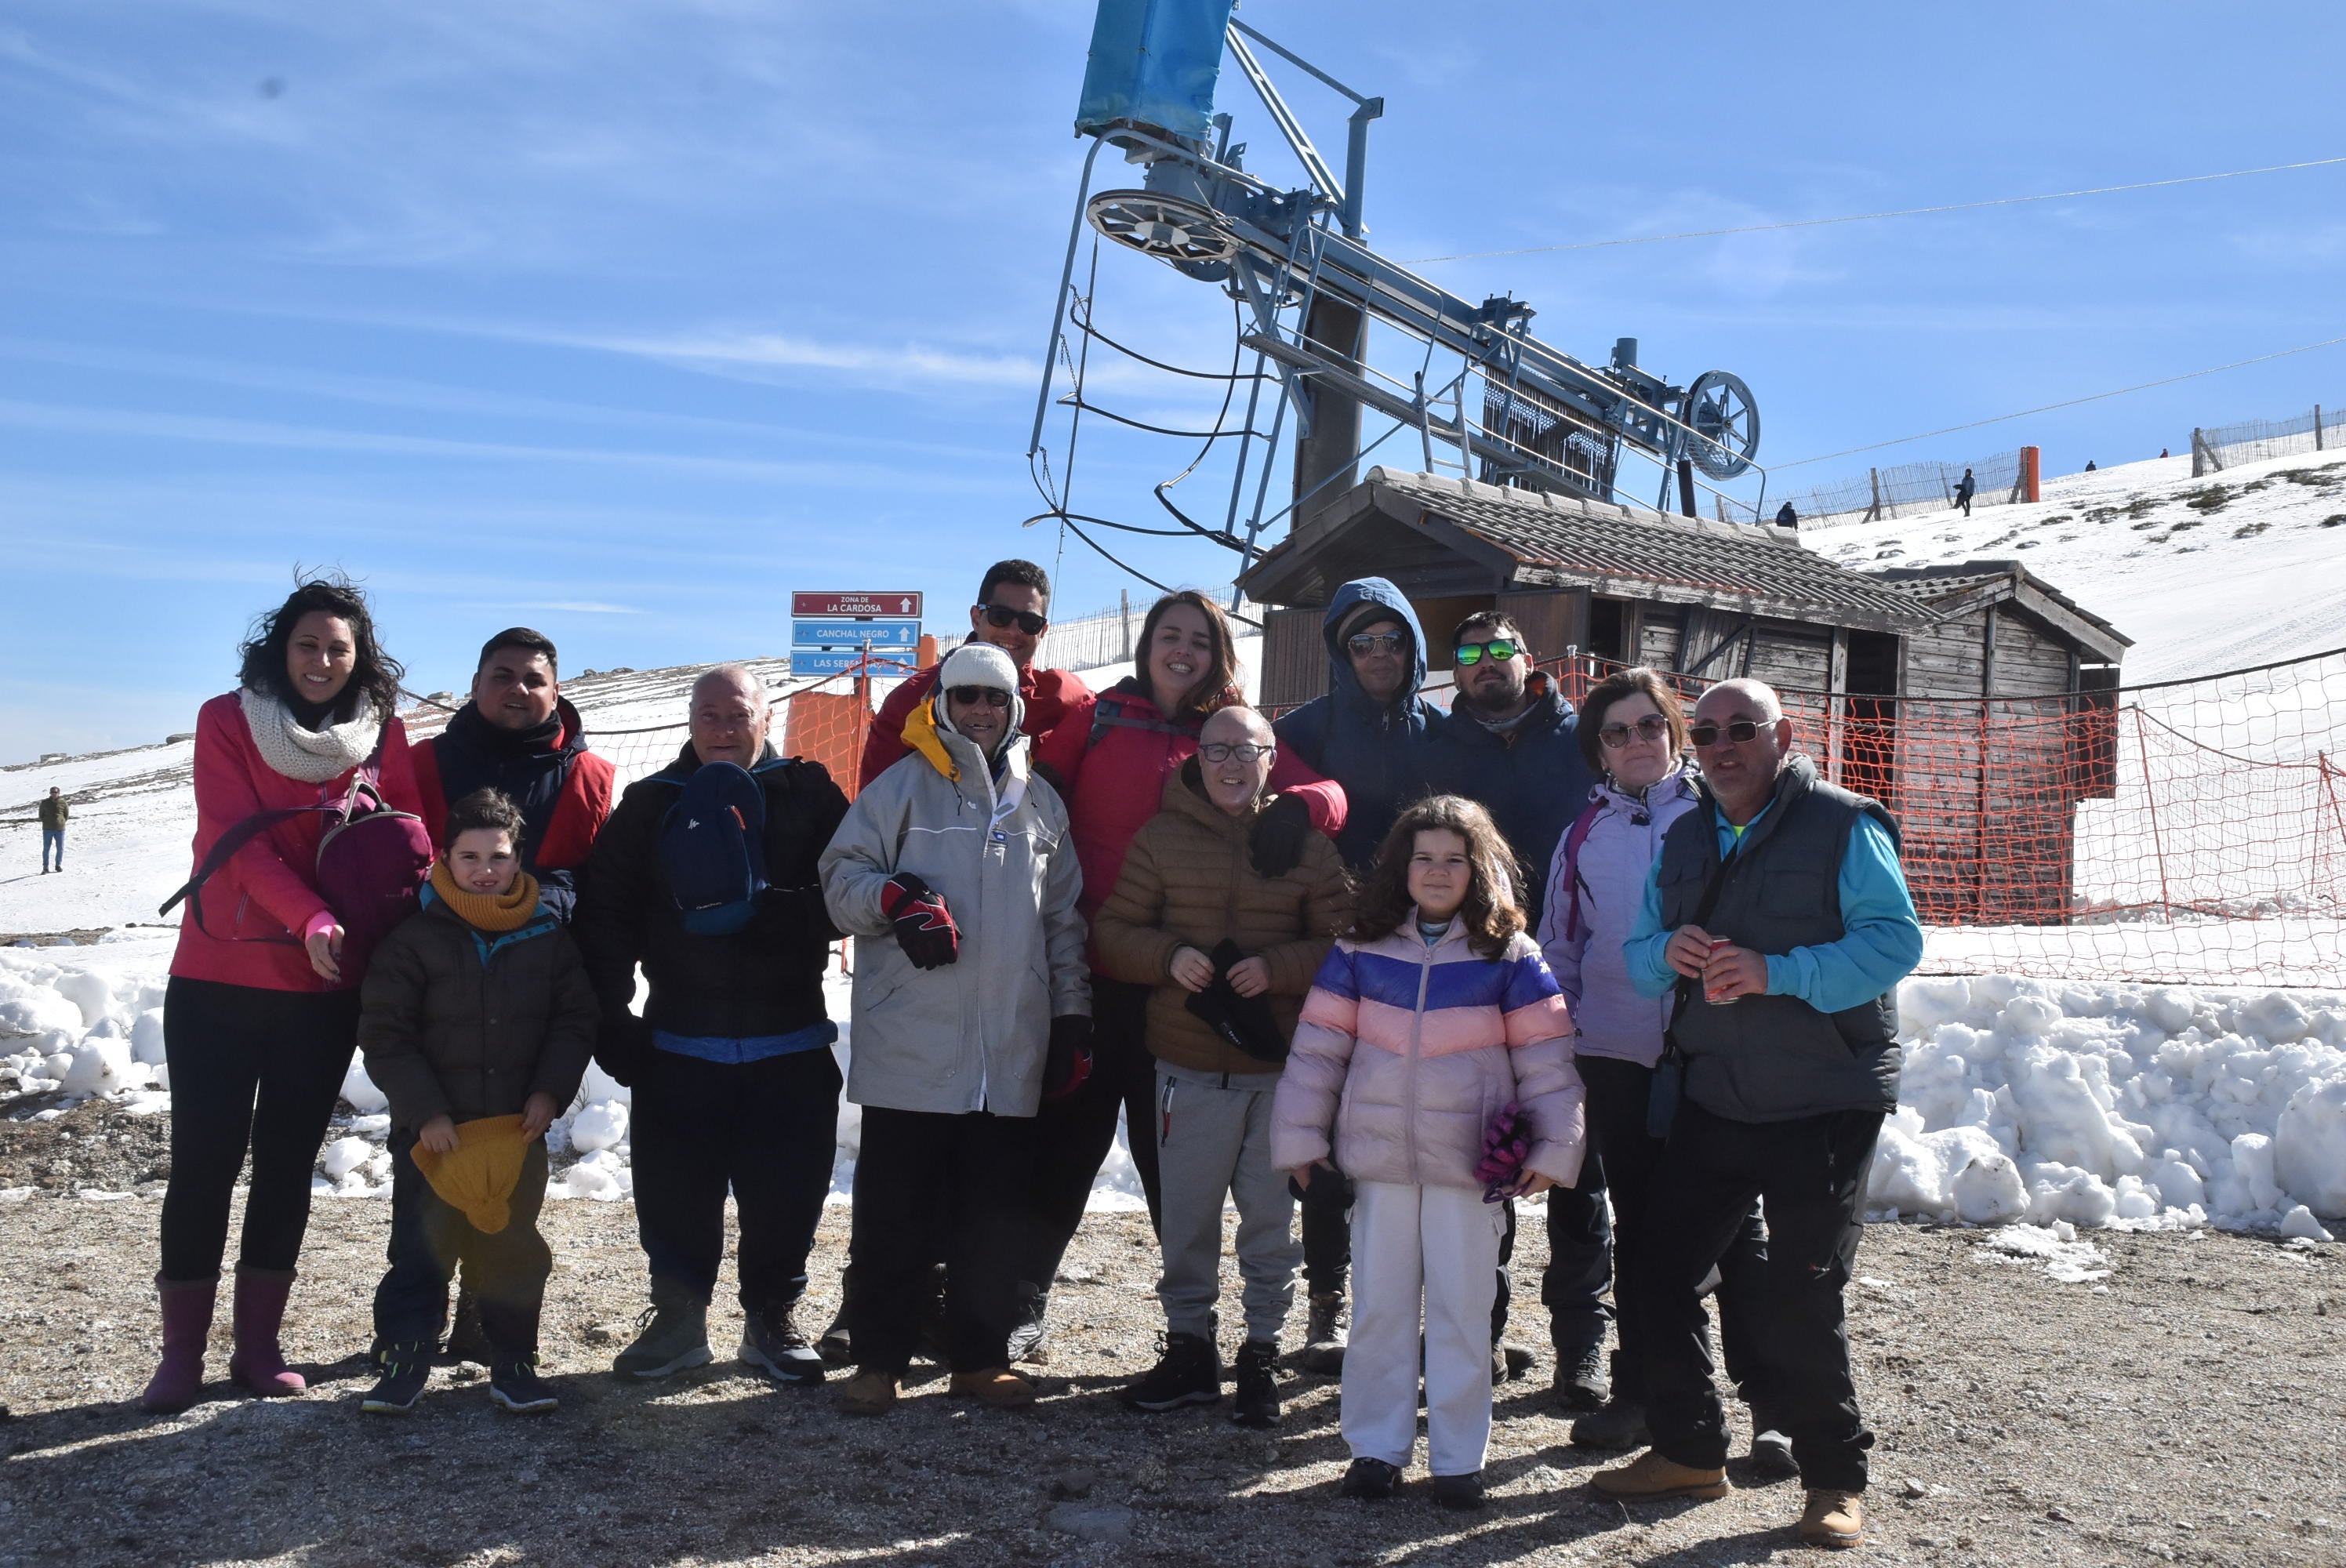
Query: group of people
column 1393, row 966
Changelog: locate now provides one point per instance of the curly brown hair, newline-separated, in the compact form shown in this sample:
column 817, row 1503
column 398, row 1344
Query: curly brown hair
column 1492, row 910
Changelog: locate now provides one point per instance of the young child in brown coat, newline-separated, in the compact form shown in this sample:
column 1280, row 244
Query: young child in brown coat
column 478, row 1021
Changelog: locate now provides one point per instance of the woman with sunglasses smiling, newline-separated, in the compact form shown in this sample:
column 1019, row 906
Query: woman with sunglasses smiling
column 1633, row 734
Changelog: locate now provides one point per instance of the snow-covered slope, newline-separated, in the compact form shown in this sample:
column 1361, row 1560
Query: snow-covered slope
column 2240, row 568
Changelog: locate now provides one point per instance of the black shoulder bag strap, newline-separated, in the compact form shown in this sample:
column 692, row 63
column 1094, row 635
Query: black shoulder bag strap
column 1669, row 1073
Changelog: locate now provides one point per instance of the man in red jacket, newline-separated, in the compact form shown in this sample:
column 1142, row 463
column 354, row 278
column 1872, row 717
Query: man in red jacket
column 1014, row 607
column 519, row 736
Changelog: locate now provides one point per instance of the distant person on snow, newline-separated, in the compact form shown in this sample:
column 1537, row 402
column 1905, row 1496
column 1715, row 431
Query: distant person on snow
column 1777, row 915
column 2162, row 452
column 54, row 812
column 2089, row 465
column 260, row 1018
column 1966, row 490
column 706, row 877
column 1013, row 611
column 957, row 874
column 1786, row 518
column 478, row 1021
column 518, row 735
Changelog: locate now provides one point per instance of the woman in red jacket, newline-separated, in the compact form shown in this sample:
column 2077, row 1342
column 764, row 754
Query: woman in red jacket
column 1136, row 732
column 259, row 1019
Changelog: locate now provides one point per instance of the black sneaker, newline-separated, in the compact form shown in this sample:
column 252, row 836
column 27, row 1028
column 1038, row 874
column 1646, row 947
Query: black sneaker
column 514, row 1383
column 406, row 1366
column 1518, row 1359
column 675, row 1336
column 1030, row 1337
column 1459, row 1490
column 1620, row 1424
column 1188, row 1373
column 1772, row 1450
column 1323, row 1341
column 1580, row 1380
column 773, row 1344
column 1372, row 1478
column 1256, row 1404
column 833, row 1345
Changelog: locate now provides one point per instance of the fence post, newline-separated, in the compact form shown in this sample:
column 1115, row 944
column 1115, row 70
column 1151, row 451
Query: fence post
column 2031, row 476
column 1124, row 618
column 2317, row 427
column 2201, row 458
column 1873, row 512
column 2150, row 802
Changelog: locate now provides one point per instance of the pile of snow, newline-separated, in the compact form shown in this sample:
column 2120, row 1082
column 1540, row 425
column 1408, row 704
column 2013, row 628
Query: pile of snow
column 2027, row 1104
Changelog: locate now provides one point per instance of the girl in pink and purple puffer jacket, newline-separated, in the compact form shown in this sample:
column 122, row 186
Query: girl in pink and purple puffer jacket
column 1433, row 1016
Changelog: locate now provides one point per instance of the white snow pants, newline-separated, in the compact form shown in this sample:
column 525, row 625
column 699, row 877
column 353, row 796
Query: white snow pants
column 1438, row 1246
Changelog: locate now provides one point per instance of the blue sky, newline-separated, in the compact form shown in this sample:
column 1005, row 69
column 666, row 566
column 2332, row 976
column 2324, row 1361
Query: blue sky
column 624, row 319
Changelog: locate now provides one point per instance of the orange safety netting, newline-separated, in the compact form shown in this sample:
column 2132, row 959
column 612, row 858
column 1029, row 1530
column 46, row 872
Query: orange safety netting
column 2187, row 831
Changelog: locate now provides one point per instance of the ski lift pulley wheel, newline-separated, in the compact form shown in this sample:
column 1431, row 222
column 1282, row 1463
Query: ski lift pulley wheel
column 1726, row 422
column 1165, row 226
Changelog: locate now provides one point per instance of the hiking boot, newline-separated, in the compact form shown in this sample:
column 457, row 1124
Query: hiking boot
column 1030, row 1339
column 406, row 1368
column 1834, row 1519
column 997, row 1388
column 1620, row 1424
column 1580, row 1382
column 675, row 1335
column 257, row 1364
column 1256, row 1404
column 774, row 1344
column 515, row 1385
column 1370, row 1478
column 1459, row 1490
column 1515, row 1361
column 1771, row 1447
column 1189, row 1372
column 871, row 1393
column 187, row 1326
column 833, row 1345
column 1323, row 1339
column 467, row 1340
column 1650, row 1477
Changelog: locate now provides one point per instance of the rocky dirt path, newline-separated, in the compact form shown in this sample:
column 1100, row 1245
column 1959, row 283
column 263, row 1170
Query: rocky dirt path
column 2190, row 1414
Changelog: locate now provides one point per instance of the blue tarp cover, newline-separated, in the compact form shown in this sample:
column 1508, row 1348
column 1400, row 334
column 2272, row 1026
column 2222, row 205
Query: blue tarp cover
column 1153, row 63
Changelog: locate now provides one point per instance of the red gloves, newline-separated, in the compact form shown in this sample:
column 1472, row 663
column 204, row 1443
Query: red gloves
column 924, row 927
column 1069, row 1063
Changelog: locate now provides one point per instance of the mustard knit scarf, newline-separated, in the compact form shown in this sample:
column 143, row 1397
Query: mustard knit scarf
column 487, row 912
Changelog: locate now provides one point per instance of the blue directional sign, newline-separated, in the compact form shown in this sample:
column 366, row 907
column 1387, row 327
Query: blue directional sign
column 886, row 665
column 847, row 633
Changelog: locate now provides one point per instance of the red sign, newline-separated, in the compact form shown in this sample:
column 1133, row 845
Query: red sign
column 855, row 605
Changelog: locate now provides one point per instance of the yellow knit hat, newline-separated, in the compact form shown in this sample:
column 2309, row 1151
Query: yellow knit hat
column 479, row 1178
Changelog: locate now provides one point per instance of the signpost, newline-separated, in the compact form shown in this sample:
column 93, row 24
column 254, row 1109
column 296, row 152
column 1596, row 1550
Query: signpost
column 859, row 605
column 885, row 663
column 844, row 633
column 852, row 633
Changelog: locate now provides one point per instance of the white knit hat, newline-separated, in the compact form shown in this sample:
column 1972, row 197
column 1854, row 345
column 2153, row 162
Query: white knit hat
column 979, row 664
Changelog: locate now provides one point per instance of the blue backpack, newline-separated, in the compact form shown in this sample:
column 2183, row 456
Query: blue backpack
column 712, row 849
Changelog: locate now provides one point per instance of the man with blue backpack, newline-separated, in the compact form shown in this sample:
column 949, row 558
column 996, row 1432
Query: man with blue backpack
column 706, row 876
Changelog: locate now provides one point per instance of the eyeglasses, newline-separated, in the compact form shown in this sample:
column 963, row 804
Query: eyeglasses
column 1363, row 644
column 1244, row 751
column 1738, row 732
column 992, row 696
column 1001, row 616
column 1653, row 727
column 1501, row 649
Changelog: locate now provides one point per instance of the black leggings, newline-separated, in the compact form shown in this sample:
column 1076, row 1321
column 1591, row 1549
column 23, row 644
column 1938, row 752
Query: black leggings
column 1073, row 1137
column 251, row 1070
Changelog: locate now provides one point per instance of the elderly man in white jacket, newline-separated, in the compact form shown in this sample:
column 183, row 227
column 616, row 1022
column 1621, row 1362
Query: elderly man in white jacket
column 955, row 872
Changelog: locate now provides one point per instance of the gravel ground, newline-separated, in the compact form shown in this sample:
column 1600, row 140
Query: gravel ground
column 2189, row 1414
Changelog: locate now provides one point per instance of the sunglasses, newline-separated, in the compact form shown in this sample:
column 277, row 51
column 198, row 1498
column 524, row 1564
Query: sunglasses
column 992, row 696
column 1368, row 643
column 1653, row 727
column 1501, row 649
column 1002, row 617
column 1244, row 751
column 1737, row 732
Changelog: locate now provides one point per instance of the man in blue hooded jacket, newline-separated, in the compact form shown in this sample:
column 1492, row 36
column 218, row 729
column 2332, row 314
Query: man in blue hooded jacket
column 1374, row 735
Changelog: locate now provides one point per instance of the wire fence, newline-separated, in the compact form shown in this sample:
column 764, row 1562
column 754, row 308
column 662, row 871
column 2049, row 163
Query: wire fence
column 1899, row 492
column 2226, row 447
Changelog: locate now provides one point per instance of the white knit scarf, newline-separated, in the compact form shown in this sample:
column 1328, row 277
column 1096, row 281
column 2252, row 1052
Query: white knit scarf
column 312, row 756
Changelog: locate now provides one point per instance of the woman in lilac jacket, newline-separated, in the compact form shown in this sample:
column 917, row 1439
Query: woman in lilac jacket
column 1634, row 735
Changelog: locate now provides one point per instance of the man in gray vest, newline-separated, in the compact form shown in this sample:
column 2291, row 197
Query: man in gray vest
column 1778, row 913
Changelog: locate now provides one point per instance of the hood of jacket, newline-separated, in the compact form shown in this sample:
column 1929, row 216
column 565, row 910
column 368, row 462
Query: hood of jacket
column 1341, row 682
column 956, row 757
column 1548, row 708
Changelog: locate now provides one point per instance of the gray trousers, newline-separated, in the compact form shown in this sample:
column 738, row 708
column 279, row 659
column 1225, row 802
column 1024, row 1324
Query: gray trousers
column 1213, row 1140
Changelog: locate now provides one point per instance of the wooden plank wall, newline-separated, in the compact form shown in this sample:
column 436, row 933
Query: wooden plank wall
column 1294, row 657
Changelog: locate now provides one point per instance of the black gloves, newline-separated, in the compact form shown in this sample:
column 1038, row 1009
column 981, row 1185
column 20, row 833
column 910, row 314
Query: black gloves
column 623, row 1047
column 1276, row 844
column 924, row 927
column 1069, row 1062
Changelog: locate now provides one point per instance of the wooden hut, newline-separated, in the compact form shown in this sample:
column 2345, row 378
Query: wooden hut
column 1971, row 700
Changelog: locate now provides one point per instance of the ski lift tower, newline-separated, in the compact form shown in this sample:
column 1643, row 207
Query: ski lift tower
column 1518, row 411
